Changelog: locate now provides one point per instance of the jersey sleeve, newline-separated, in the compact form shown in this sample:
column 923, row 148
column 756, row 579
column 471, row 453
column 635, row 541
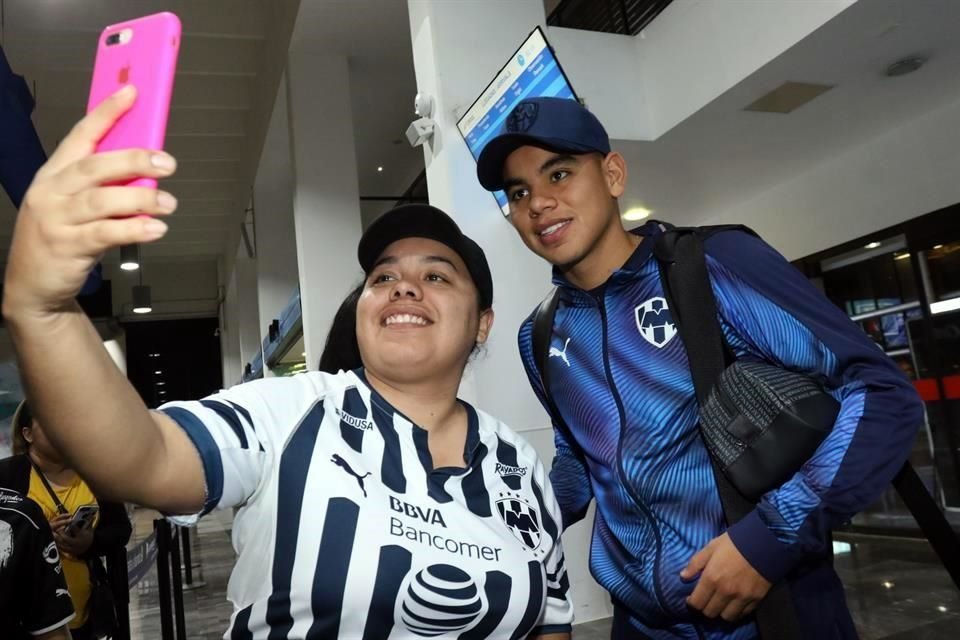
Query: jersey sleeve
column 557, row 614
column 568, row 473
column 44, row 600
column 239, row 432
column 771, row 312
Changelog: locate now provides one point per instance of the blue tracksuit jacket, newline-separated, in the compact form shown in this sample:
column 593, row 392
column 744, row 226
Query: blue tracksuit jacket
column 619, row 375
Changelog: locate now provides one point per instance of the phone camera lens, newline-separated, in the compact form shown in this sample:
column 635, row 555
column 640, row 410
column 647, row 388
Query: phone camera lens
column 113, row 38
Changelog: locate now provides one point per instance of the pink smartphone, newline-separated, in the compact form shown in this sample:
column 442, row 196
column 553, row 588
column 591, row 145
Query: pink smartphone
column 141, row 52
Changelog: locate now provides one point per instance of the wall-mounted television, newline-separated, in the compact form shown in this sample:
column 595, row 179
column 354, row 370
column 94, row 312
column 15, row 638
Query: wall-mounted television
column 531, row 72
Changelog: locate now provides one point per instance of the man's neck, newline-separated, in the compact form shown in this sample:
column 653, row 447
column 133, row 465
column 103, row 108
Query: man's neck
column 609, row 254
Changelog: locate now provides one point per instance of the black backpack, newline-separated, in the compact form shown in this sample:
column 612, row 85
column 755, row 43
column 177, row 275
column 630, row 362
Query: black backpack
column 759, row 422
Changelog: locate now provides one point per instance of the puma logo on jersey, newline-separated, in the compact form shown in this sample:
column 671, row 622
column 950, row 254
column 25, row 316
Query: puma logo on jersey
column 340, row 462
column 504, row 470
column 655, row 322
column 354, row 421
column 557, row 353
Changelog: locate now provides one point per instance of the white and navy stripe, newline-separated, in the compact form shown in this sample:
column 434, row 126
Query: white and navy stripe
column 346, row 530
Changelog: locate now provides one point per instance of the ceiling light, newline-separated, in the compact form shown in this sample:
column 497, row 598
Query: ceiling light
column 871, row 245
column 379, row 169
column 903, row 66
column 945, row 305
column 160, row 384
column 130, row 257
column 637, row 213
column 942, row 609
column 888, row 584
column 141, row 299
column 901, row 256
column 158, row 372
column 937, row 246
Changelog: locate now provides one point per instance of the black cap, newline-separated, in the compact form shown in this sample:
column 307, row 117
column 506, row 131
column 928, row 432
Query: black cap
column 562, row 125
column 424, row 221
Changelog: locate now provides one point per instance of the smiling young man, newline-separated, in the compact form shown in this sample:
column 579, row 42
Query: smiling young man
column 661, row 545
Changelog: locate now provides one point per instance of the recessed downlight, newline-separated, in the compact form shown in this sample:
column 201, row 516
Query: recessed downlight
column 637, row 213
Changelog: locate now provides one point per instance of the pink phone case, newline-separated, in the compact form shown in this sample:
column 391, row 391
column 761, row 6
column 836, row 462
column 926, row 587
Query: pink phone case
column 148, row 61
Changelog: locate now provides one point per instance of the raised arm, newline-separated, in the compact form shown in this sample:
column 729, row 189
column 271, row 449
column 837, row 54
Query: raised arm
column 68, row 220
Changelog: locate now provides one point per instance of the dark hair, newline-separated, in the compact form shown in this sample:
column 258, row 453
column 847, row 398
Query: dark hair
column 22, row 419
column 341, row 350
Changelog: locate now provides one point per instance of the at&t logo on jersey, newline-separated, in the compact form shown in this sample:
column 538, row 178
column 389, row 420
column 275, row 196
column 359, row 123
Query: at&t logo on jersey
column 522, row 519
column 434, row 595
column 655, row 322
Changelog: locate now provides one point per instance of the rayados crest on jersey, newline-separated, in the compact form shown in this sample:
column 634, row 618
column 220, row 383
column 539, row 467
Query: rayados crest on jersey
column 655, row 322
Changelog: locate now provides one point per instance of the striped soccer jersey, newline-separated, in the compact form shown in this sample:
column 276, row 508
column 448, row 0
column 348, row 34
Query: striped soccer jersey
column 345, row 529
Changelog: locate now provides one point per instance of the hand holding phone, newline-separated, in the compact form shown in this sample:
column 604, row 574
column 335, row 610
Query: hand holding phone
column 73, row 213
column 83, row 518
column 141, row 52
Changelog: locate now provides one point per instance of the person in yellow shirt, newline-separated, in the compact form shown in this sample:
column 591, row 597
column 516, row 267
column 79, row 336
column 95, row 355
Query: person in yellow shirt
column 37, row 470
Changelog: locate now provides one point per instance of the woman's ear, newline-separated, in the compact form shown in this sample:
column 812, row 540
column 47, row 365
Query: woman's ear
column 486, row 324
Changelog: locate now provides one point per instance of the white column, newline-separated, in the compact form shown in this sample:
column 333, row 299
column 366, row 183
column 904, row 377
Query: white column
column 458, row 47
column 248, row 306
column 273, row 215
column 231, row 361
column 326, row 194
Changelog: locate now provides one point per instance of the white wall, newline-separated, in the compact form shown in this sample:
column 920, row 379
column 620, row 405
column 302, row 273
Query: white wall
column 903, row 173
column 458, row 47
column 642, row 86
column 326, row 193
column 606, row 72
column 231, row 361
column 273, row 214
column 697, row 49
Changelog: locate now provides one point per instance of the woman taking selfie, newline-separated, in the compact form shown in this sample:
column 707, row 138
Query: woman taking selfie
column 373, row 503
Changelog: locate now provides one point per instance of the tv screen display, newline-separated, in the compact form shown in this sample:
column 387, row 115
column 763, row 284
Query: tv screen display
column 531, row 72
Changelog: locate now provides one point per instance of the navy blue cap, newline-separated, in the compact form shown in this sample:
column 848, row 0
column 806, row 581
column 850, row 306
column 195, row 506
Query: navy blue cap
column 424, row 221
column 562, row 125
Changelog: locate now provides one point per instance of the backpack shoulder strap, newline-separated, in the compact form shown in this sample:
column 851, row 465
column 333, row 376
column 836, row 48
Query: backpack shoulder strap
column 693, row 308
column 542, row 329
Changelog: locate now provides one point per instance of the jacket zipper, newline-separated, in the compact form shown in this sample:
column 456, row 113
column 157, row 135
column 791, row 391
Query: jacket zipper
column 658, row 590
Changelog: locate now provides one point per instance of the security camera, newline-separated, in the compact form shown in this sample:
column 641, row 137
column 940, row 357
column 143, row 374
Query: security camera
column 419, row 131
column 423, row 105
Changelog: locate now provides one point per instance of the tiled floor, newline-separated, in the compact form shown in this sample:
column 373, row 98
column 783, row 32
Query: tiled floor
column 896, row 590
column 206, row 610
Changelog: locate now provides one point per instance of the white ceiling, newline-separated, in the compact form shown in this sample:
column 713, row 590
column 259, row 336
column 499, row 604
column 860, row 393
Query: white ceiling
column 216, row 125
column 712, row 160
column 722, row 154
column 374, row 35
column 52, row 44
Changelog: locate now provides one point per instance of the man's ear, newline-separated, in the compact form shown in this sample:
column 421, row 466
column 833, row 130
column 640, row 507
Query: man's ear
column 615, row 172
